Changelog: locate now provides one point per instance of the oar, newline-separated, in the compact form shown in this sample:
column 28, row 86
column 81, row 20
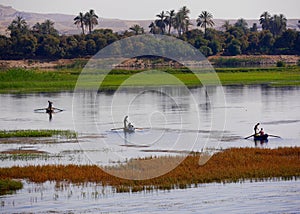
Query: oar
column 274, row 136
column 116, row 129
column 58, row 109
column 40, row 109
column 249, row 136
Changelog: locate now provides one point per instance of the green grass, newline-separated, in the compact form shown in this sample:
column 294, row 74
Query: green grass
column 8, row 186
column 37, row 133
column 26, row 81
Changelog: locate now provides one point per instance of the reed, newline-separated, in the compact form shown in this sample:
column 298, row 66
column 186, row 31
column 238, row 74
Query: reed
column 8, row 186
column 231, row 165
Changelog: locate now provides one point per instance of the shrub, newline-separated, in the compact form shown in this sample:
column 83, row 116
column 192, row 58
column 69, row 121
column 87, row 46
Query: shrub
column 280, row 64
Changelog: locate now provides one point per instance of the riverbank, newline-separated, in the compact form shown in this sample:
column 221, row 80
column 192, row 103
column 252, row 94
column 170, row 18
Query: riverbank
column 240, row 60
column 231, row 165
column 28, row 81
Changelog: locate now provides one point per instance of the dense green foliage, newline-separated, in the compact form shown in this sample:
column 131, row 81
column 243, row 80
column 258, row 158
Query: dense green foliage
column 42, row 41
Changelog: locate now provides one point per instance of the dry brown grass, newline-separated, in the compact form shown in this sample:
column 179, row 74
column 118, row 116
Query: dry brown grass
column 231, row 165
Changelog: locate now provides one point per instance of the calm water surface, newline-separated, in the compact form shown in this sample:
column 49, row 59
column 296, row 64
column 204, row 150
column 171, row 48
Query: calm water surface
column 171, row 119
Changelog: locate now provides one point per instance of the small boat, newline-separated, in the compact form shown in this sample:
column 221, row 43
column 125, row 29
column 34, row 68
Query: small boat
column 129, row 129
column 261, row 137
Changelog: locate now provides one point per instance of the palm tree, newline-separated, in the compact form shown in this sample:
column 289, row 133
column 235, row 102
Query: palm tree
column 80, row 21
column 242, row 24
column 205, row 20
column 226, row 25
column 161, row 22
column 153, row 28
column 265, row 21
column 48, row 27
column 18, row 25
column 278, row 24
column 137, row 29
column 170, row 19
column 182, row 20
column 91, row 19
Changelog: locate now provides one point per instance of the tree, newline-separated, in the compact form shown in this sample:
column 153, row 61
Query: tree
column 226, row 25
column 161, row 22
column 91, row 19
column 182, row 20
column 278, row 24
column 137, row 29
column 18, row 27
column 265, row 21
column 242, row 24
column 153, row 28
column 204, row 20
column 254, row 27
column 170, row 20
column 80, row 21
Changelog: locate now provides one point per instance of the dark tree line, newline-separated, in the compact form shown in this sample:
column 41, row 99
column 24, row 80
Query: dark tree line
column 42, row 41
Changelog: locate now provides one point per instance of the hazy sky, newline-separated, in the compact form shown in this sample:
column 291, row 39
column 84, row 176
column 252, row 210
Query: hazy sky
column 140, row 9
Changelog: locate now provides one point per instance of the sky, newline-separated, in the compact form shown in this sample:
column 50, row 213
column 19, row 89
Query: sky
column 145, row 10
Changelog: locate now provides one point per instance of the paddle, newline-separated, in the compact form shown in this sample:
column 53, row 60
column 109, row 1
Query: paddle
column 40, row 109
column 249, row 136
column 58, row 109
column 274, row 136
column 116, row 129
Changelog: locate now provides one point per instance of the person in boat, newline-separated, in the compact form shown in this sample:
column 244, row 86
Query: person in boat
column 130, row 126
column 125, row 122
column 256, row 129
column 50, row 106
column 261, row 132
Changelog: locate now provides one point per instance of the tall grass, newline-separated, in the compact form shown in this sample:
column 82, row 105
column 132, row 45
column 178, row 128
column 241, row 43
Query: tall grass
column 231, row 165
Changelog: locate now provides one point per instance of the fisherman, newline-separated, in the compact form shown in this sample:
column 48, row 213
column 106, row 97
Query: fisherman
column 130, row 126
column 125, row 122
column 50, row 107
column 261, row 132
column 256, row 129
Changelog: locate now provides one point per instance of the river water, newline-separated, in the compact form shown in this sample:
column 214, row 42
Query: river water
column 170, row 120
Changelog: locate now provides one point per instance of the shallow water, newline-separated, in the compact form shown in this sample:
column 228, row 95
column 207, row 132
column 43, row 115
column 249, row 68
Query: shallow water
column 172, row 120
column 246, row 197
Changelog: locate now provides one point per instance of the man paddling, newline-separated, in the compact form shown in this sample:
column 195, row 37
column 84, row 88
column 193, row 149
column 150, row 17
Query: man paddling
column 50, row 107
column 125, row 122
column 256, row 129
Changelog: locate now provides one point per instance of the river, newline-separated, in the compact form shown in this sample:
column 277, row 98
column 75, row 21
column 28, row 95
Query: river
column 170, row 120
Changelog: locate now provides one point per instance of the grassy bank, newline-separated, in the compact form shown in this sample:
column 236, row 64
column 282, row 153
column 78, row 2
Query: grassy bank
column 231, row 165
column 37, row 133
column 25, row 81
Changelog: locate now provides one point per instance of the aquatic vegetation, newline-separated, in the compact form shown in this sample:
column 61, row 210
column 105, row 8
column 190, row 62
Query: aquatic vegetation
column 231, row 165
column 8, row 186
column 37, row 133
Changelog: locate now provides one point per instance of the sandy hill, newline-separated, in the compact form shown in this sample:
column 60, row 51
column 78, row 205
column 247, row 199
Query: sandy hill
column 64, row 23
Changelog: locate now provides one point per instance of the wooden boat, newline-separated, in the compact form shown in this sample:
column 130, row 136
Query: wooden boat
column 261, row 137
